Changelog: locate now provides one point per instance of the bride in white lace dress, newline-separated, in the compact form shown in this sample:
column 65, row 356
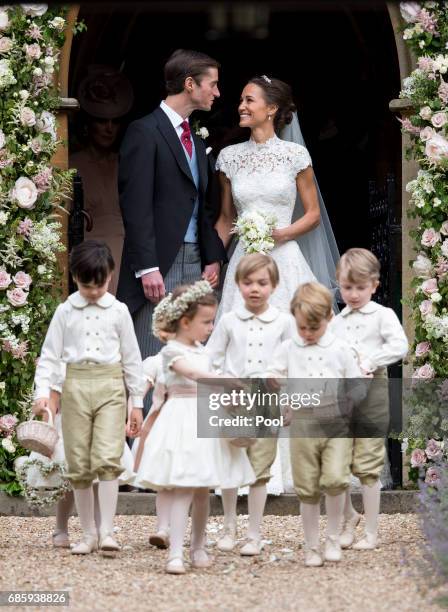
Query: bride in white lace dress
column 265, row 174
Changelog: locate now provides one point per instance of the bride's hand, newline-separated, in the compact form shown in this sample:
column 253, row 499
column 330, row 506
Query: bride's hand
column 280, row 235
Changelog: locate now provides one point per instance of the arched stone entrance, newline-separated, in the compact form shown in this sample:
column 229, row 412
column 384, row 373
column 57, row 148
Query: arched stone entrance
column 407, row 168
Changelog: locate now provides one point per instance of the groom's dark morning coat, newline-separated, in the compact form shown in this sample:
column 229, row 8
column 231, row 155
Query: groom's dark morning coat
column 157, row 197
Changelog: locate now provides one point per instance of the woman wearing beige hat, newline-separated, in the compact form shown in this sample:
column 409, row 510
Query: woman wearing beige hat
column 105, row 96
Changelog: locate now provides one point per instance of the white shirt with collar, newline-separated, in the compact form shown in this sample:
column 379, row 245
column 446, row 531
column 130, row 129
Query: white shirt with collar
column 101, row 333
column 176, row 121
column 242, row 343
column 329, row 358
column 374, row 332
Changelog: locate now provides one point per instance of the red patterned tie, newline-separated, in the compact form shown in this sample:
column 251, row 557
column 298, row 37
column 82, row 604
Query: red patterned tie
column 186, row 138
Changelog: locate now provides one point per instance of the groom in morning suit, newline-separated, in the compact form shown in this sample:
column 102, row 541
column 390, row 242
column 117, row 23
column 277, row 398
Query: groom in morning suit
column 163, row 177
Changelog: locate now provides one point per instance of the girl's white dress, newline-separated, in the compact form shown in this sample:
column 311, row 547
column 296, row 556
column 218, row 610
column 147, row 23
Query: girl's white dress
column 36, row 480
column 173, row 455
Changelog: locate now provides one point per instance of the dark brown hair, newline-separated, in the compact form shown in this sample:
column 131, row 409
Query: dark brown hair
column 278, row 93
column 184, row 63
column 91, row 262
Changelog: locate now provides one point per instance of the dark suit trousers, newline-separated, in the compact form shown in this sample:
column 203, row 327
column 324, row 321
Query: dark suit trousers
column 186, row 269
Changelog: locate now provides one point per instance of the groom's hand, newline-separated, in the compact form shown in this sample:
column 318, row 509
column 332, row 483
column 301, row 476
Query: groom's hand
column 211, row 274
column 153, row 286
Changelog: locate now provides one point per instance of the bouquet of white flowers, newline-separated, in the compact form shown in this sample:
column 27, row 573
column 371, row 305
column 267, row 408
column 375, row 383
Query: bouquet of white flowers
column 254, row 229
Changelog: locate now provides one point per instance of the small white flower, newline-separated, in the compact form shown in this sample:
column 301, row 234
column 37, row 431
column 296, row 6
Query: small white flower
column 34, row 10
column 436, row 297
column 3, row 217
column 41, row 269
column 37, row 72
column 436, row 202
column 203, row 132
column 58, row 23
column 8, row 445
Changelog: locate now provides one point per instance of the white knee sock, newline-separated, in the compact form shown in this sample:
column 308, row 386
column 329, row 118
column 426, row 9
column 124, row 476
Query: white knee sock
column 310, row 519
column 256, row 502
column 96, row 507
column 84, row 506
column 200, row 511
column 64, row 508
column 163, row 509
column 229, row 497
column 180, row 507
column 107, row 502
column 349, row 511
column 371, row 499
column 334, row 505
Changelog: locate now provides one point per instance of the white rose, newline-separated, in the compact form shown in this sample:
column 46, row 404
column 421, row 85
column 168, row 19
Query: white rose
column 436, row 297
column 426, row 113
column 410, row 11
column 6, row 44
column 27, row 117
column 2, row 139
column 58, row 23
column 24, row 192
column 444, row 248
column 436, row 148
column 34, row 10
column 46, row 124
column 422, row 266
column 4, row 20
column 444, row 228
column 37, row 72
column 437, row 202
column 41, row 269
column 8, row 445
column 24, row 94
column 439, row 119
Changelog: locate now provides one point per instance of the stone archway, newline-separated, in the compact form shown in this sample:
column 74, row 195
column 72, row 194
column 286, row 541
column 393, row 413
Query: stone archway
column 408, row 170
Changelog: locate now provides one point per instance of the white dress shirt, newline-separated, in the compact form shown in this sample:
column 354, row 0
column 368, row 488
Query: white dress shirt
column 374, row 332
column 176, row 121
column 101, row 333
column 242, row 343
column 329, row 358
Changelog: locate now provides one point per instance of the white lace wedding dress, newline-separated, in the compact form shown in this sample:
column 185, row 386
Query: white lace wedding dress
column 263, row 178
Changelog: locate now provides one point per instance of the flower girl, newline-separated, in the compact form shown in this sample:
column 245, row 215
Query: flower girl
column 174, row 457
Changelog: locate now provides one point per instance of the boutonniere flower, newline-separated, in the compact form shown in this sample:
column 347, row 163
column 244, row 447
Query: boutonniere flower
column 202, row 132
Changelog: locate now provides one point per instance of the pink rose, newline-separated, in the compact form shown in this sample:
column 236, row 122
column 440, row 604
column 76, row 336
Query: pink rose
column 426, row 64
column 425, row 113
column 17, row 297
column 426, row 308
column 22, row 280
column 32, row 52
column 426, row 133
column 8, row 423
column 430, row 237
column 27, row 117
column 422, row 349
column 432, row 476
column 425, row 372
column 429, row 286
column 439, row 119
column 418, row 458
column 444, row 248
column 5, row 279
column 441, row 268
column 36, row 146
column 6, row 44
column 410, row 11
column 433, row 450
column 436, row 148
column 443, row 92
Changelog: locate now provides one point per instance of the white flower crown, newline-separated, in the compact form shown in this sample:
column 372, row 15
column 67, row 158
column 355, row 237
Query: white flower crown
column 169, row 310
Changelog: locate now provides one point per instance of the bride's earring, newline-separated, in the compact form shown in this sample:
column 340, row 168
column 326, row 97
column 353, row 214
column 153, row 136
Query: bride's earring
column 269, row 117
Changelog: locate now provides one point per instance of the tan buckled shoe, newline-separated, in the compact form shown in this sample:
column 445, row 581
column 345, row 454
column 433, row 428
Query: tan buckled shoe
column 227, row 541
column 161, row 539
column 347, row 536
column 367, row 542
column 251, row 548
column 332, row 549
column 313, row 557
column 87, row 545
column 108, row 546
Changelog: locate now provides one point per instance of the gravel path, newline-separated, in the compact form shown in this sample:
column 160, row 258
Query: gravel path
column 369, row 581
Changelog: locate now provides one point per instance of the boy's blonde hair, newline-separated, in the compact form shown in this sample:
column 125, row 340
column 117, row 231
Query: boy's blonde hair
column 314, row 302
column 252, row 263
column 358, row 265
